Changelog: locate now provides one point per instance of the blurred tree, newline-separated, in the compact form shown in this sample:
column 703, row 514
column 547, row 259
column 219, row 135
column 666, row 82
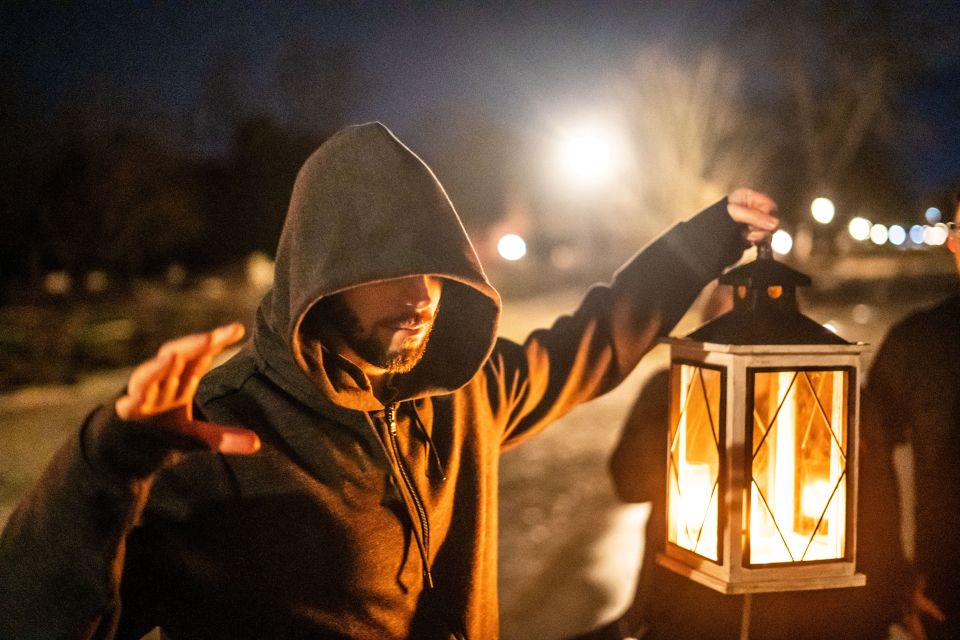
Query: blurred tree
column 120, row 201
column 219, row 106
column 836, row 76
column 693, row 136
column 18, row 128
column 318, row 84
column 247, row 193
column 147, row 208
column 247, row 196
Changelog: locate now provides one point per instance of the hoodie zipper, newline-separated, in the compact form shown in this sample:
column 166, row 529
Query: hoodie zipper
column 390, row 414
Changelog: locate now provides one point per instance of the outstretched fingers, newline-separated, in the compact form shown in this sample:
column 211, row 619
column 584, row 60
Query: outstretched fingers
column 170, row 379
column 143, row 388
column 233, row 440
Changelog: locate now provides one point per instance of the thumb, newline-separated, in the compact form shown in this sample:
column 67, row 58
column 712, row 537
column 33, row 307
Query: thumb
column 221, row 438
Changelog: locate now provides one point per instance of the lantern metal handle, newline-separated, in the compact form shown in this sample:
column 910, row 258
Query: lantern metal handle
column 764, row 250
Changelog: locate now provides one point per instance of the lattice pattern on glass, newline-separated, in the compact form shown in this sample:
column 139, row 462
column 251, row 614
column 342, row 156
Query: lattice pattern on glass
column 798, row 488
column 694, row 463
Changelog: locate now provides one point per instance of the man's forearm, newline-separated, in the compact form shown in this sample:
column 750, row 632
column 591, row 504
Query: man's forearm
column 61, row 553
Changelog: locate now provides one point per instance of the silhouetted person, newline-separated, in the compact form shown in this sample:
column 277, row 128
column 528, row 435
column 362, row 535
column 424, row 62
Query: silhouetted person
column 913, row 397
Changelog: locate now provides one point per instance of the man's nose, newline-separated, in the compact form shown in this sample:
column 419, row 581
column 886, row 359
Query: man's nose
column 418, row 292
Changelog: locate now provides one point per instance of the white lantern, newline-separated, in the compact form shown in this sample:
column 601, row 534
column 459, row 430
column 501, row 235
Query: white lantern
column 762, row 453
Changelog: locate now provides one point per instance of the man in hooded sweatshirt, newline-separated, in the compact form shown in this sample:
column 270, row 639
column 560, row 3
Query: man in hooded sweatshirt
column 354, row 494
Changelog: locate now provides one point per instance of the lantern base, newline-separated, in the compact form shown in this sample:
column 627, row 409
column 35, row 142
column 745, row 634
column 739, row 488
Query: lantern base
column 762, row 585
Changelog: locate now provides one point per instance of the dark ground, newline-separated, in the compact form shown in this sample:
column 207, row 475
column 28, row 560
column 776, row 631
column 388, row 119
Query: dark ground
column 569, row 551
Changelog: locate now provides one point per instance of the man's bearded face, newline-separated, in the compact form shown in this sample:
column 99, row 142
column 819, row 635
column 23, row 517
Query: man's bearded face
column 387, row 324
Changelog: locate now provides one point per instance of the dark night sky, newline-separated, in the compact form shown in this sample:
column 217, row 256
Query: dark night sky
column 511, row 62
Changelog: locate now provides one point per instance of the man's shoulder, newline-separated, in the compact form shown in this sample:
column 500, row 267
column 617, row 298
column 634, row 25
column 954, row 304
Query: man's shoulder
column 225, row 390
column 942, row 318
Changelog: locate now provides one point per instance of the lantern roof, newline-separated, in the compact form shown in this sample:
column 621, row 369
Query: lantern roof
column 764, row 272
column 765, row 307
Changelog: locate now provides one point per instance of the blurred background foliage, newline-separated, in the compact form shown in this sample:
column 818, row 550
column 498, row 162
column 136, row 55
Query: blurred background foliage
column 122, row 225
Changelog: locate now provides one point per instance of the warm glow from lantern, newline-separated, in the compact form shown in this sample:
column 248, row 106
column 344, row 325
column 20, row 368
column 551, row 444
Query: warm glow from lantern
column 697, row 508
column 762, row 441
column 812, row 498
column 798, row 489
column 695, row 461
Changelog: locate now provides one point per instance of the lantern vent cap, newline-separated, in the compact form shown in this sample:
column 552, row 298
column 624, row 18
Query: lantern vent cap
column 764, row 272
column 765, row 308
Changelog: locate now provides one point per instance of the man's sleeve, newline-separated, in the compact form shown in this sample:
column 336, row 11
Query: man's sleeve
column 882, row 426
column 589, row 352
column 62, row 551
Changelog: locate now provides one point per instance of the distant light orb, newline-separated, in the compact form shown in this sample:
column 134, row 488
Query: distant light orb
column 859, row 228
column 916, row 234
column 259, row 270
column 781, row 242
column 933, row 215
column 511, row 247
column 96, row 281
column 822, row 210
column 862, row 313
column 936, row 235
column 897, row 235
column 57, row 283
column 588, row 157
column 878, row 234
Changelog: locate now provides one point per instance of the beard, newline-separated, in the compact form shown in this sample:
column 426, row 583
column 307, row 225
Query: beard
column 367, row 344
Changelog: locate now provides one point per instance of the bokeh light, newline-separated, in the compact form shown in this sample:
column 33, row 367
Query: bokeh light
column 862, row 313
column 511, row 247
column 587, row 156
column 878, row 234
column 935, row 235
column 897, row 235
column 933, row 215
column 822, row 210
column 916, row 234
column 781, row 242
column 859, row 228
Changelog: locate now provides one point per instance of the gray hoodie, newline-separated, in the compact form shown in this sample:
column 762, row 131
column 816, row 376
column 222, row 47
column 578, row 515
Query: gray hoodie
column 355, row 519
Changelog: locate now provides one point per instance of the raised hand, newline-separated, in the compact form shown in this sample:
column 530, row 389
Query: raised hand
column 160, row 391
column 756, row 210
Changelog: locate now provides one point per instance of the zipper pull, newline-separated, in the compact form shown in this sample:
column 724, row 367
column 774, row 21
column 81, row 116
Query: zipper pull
column 390, row 414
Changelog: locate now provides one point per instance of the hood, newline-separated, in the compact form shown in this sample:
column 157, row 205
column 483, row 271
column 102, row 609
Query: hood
column 366, row 209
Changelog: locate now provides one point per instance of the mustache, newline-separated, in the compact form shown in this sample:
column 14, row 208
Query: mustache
column 408, row 320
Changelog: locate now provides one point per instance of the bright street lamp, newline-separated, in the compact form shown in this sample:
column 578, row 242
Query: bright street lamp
column 822, row 210
column 589, row 155
column 859, row 228
column 511, row 247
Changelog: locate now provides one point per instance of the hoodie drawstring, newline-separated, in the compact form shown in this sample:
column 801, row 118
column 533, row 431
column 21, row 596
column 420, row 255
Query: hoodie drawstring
column 432, row 447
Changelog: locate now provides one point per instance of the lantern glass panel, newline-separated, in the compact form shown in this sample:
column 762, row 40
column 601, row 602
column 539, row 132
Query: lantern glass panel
column 798, row 488
column 694, row 463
